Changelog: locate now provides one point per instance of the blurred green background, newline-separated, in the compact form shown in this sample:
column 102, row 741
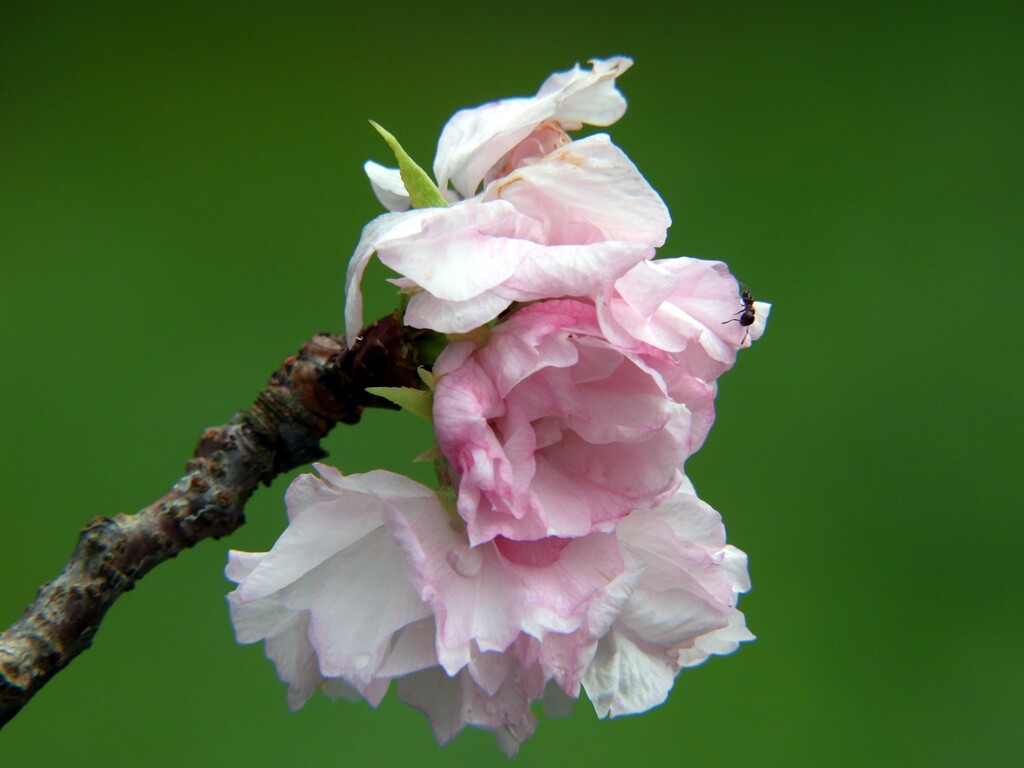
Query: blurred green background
column 180, row 189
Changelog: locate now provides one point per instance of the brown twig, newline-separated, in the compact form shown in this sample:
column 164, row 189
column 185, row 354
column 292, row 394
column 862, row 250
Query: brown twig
column 312, row 391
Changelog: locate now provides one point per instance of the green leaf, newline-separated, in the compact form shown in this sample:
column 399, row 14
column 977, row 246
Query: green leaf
column 423, row 192
column 417, row 401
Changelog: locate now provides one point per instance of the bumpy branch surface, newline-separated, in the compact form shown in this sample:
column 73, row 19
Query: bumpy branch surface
column 312, row 391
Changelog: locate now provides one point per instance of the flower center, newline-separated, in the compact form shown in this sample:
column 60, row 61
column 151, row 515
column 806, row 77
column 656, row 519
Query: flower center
column 540, row 552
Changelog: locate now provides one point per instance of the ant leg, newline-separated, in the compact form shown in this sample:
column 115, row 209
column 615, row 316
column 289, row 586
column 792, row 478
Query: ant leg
column 735, row 319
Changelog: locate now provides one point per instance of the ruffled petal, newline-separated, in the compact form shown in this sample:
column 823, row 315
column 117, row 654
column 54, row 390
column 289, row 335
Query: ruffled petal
column 688, row 307
column 325, row 520
column 682, row 608
column 586, row 191
column 452, row 703
column 550, row 430
column 485, row 597
column 446, row 316
column 333, row 599
column 476, row 139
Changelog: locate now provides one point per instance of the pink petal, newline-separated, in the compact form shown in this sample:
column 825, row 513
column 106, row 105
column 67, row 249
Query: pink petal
column 461, row 251
column 550, row 430
column 684, row 306
column 586, row 191
column 483, row 601
column 681, row 610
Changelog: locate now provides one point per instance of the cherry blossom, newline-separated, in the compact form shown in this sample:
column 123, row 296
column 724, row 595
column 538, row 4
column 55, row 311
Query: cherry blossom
column 562, row 226
column 477, row 143
column 555, row 217
column 551, row 430
column 374, row 580
column 565, row 551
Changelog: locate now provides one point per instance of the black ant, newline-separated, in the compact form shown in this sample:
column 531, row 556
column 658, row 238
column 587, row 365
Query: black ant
column 746, row 315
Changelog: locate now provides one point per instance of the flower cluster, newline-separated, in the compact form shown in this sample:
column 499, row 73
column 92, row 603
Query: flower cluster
column 566, row 549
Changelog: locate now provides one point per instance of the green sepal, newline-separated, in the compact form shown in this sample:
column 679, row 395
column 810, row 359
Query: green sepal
column 423, row 192
column 433, row 453
column 428, row 378
column 417, row 401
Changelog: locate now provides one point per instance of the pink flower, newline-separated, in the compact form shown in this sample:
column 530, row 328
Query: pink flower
column 373, row 580
column 478, row 143
column 562, row 226
column 552, row 430
column 555, row 218
column 684, row 306
column 336, row 607
column 575, row 554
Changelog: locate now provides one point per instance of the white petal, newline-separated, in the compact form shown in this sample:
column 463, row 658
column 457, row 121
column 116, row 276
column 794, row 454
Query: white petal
column 474, row 140
column 331, row 520
column 671, row 619
column 452, row 703
column 412, row 650
column 259, row 619
column 734, row 562
column 557, row 703
column 241, row 564
column 437, row 696
column 445, row 316
column 295, row 660
column 761, row 311
column 552, row 271
column 337, row 688
column 287, row 642
column 623, row 679
column 489, row 670
column 363, row 596
column 589, row 97
column 719, row 643
column 387, row 186
column 397, row 224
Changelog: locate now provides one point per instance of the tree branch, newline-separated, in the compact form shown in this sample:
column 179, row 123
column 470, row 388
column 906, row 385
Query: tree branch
column 312, row 391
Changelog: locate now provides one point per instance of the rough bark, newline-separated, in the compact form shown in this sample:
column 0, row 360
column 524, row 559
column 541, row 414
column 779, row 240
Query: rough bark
column 322, row 385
